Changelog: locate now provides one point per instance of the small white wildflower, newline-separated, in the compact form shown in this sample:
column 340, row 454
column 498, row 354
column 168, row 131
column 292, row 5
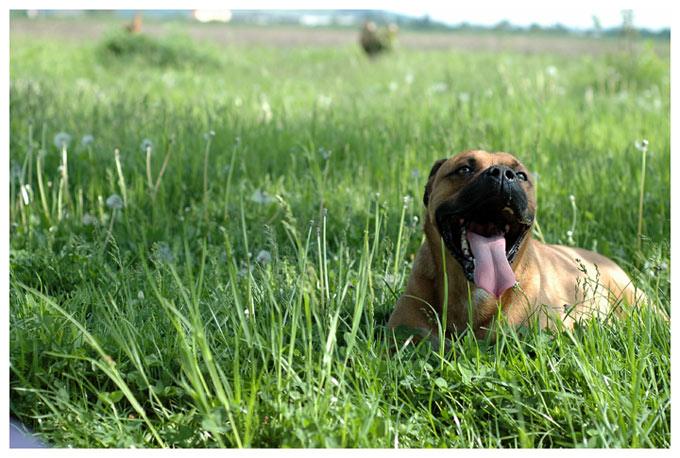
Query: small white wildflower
column 263, row 257
column 62, row 139
column 87, row 140
column 415, row 174
column 146, row 143
column 570, row 240
column 393, row 86
column 140, row 294
column 408, row 79
column 261, row 197
column 551, row 70
column 114, row 201
column 334, row 399
column 407, row 200
column 464, row 97
column 572, row 198
column 238, row 101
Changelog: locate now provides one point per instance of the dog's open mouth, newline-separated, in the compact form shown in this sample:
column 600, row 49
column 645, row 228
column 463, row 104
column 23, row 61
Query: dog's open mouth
column 485, row 240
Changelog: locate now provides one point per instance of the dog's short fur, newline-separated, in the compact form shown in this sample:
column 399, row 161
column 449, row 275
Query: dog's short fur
column 493, row 194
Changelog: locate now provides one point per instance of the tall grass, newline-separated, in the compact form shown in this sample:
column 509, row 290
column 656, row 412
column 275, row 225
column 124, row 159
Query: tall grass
column 240, row 299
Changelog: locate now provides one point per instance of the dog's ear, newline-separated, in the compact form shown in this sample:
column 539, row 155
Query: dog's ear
column 430, row 179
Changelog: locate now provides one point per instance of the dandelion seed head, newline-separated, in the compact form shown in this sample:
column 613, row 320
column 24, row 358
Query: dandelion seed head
column 263, row 257
column 641, row 145
column 88, row 219
column 146, row 144
column 162, row 252
column 261, row 197
column 114, row 201
column 87, row 140
column 62, row 140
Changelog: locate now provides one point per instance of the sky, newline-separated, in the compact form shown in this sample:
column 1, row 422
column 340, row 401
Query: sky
column 647, row 14
column 652, row 14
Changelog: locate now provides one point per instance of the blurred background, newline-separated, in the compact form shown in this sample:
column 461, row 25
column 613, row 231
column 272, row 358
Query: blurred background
column 470, row 28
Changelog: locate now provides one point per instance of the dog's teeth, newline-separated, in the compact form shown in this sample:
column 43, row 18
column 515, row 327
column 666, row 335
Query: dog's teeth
column 509, row 210
column 465, row 248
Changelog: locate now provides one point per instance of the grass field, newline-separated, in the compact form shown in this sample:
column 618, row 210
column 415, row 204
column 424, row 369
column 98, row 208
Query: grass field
column 209, row 255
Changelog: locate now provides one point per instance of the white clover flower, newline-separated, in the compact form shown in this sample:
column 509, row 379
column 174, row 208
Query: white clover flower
column 62, row 139
column 114, row 201
column 146, row 143
column 87, row 140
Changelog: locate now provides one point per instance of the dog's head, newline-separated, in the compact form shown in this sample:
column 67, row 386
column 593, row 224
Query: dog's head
column 482, row 204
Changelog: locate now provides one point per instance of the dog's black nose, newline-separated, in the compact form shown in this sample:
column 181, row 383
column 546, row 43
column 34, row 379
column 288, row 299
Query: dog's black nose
column 500, row 173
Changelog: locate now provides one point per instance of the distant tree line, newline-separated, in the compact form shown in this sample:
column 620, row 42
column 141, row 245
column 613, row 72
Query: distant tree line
column 354, row 18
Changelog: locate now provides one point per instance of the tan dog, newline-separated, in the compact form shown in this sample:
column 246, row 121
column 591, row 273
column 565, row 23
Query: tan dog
column 480, row 212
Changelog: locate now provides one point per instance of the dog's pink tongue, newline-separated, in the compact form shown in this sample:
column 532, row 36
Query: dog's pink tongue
column 492, row 270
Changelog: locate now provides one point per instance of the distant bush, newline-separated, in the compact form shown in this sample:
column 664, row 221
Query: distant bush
column 175, row 50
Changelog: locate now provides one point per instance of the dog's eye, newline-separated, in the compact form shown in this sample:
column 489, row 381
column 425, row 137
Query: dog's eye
column 521, row 176
column 464, row 170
